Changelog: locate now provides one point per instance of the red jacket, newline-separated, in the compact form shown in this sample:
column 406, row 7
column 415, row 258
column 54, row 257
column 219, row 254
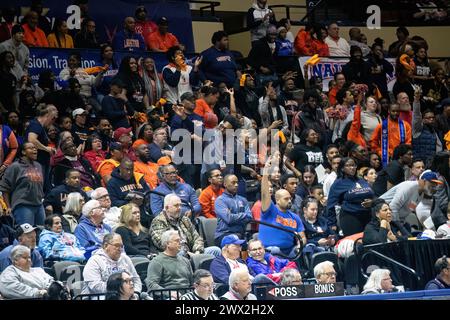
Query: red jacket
column 305, row 45
column 95, row 158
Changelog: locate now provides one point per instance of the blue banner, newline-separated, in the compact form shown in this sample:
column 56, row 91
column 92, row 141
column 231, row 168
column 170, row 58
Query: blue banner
column 110, row 14
column 56, row 59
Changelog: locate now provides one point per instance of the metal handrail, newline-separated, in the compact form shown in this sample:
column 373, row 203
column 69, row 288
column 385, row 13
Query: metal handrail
column 390, row 260
column 288, row 8
column 210, row 5
column 310, row 9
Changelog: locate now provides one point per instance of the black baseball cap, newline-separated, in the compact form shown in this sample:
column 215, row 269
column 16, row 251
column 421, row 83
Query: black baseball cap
column 163, row 21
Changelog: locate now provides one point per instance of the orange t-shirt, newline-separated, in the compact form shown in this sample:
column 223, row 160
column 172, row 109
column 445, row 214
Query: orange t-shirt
column 34, row 38
column 150, row 172
column 161, row 42
column 207, row 199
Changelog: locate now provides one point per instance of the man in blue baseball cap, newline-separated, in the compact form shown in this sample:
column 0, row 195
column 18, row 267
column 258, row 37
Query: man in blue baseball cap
column 230, row 259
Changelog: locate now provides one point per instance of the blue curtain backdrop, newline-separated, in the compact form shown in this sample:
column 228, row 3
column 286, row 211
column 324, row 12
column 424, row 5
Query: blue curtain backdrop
column 109, row 15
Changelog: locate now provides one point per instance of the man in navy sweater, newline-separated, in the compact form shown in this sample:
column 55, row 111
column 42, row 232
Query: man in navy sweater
column 232, row 211
column 442, row 280
column 170, row 183
column 218, row 63
column 123, row 181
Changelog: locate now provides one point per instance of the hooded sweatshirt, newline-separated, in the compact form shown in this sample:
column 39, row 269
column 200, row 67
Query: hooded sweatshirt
column 58, row 196
column 89, row 235
column 118, row 187
column 24, row 182
column 255, row 22
column 60, row 246
column 18, row 284
column 100, row 266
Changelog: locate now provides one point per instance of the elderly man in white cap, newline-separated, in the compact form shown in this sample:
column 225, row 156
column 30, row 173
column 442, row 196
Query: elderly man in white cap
column 91, row 229
column 112, row 214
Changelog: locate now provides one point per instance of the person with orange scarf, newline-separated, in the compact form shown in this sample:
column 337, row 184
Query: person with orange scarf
column 389, row 134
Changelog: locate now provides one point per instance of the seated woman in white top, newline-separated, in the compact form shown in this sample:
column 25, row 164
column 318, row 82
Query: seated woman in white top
column 20, row 281
column 379, row 282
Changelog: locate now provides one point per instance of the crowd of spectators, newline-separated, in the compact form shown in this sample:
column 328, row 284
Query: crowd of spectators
column 90, row 172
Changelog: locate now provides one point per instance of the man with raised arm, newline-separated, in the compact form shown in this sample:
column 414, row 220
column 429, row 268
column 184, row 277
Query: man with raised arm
column 278, row 214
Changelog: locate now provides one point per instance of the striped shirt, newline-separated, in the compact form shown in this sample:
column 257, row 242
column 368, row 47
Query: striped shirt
column 193, row 296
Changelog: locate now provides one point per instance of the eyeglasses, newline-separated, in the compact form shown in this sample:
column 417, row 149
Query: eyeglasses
column 207, row 286
column 117, row 245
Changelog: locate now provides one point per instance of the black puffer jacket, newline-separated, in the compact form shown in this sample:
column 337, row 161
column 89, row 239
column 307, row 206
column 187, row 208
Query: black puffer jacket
column 440, row 204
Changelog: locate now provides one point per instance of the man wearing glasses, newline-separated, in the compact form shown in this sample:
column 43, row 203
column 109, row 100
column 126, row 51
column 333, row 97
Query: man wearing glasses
column 211, row 193
column 109, row 259
column 91, row 230
column 324, row 273
column 203, row 287
column 442, row 280
column 265, row 263
column 170, row 183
